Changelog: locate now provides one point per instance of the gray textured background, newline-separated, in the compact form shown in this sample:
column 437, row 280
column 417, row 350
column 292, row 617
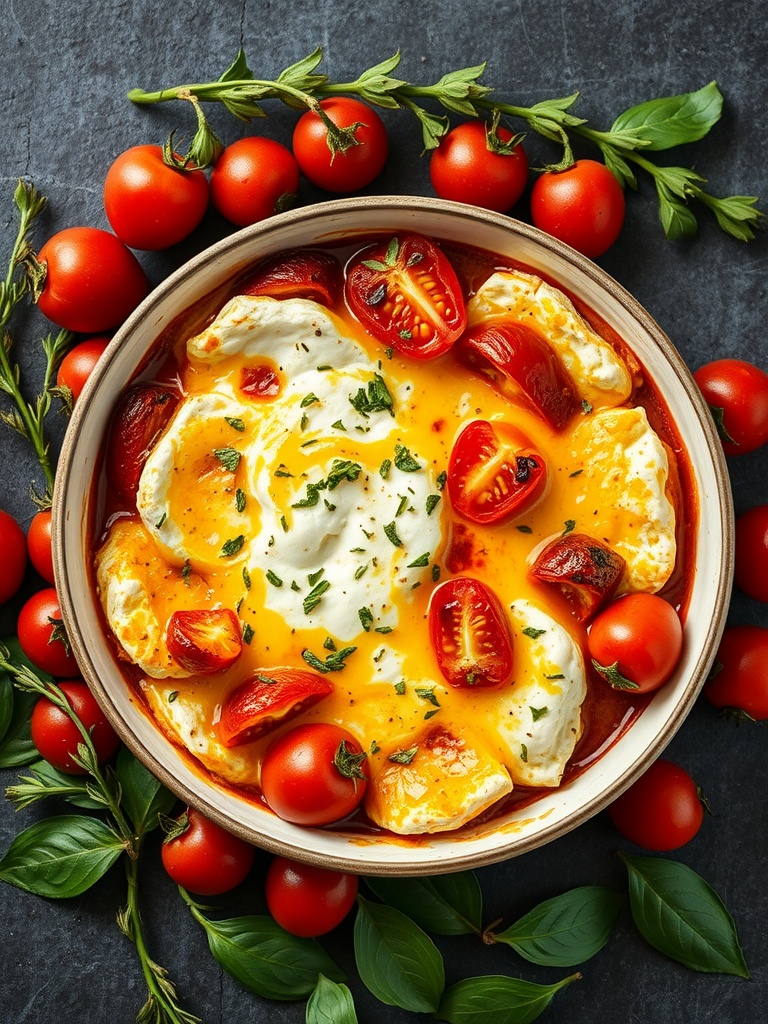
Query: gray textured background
column 64, row 71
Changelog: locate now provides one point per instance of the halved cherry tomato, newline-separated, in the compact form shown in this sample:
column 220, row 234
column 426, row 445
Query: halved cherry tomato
column 204, row 640
column 303, row 273
column 271, row 697
column 519, row 360
column 406, row 294
column 141, row 415
column 586, row 570
column 312, row 774
column 493, row 472
column 470, row 633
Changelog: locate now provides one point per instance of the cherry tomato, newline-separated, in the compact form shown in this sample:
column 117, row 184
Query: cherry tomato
column 635, row 642
column 740, row 678
column 583, row 206
column 203, row 857
column 345, row 171
column 312, row 775
column 56, row 736
column 78, row 364
column 14, row 548
column 473, row 164
column 584, row 569
column 261, row 380
column 406, row 294
column 254, row 178
column 40, row 630
column 39, row 544
column 493, row 472
column 272, row 697
column 93, row 282
column 737, row 394
column 751, row 563
column 303, row 273
column 470, row 633
column 661, row 811
column 204, row 640
column 150, row 204
column 308, row 901
column 521, row 363
column 141, row 415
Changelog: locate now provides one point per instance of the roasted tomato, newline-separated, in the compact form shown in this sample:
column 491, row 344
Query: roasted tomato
column 470, row 633
column 270, row 698
column 493, row 472
column 260, row 380
column 406, row 294
column 304, row 273
column 204, row 640
column 586, row 570
column 141, row 416
column 519, row 361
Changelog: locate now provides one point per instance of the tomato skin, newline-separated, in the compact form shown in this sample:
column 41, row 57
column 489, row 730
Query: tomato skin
column 737, row 392
column 205, row 858
column 39, row 544
column 586, row 571
column 470, row 634
column 741, row 680
column 93, row 282
column 519, row 360
column 300, row 779
column 493, row 473
column 353, row 169
column 304, row 273
column 464, row 169
column 142, row 413
column 253, row 179
column 306, row 900
column 13, row 545
column 406, row 294
column 35, row 629
column 56, row 736
column 78, row 364
column 751, row 561
column 661, row 811
column 149, row 204
column 272, row 697
column 204, row 640
column 642, row 635
column 583, row 206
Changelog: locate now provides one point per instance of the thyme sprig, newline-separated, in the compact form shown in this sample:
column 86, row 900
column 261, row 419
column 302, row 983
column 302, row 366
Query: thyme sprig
column 653, row 126
column 25, row 279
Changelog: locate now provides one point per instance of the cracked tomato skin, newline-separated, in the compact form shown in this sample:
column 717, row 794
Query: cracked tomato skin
column 307, row 900
column 271, row 698
column 311, row 775
column 493, row 473
column 470, row 634
column 56, row 736
column 406, row 294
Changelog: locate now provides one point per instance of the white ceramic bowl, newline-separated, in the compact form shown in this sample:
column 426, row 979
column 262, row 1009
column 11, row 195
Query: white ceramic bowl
column 558, row 811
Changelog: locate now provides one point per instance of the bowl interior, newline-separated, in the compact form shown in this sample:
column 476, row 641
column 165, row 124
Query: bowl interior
column 557, row 811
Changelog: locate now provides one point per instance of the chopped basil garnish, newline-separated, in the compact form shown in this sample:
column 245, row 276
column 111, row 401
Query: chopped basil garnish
column 228, row 457
column 312, row 600
column 404, row 461
column 403, row 756
column 232, row 546
column 391, row 535
column 236, row 423
column 374, row 398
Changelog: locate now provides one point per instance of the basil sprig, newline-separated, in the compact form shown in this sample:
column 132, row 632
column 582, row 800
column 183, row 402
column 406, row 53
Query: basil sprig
column 650, row 127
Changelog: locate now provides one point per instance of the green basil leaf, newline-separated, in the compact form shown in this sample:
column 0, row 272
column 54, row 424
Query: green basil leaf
column 61, row 856
column 497, row 999
column 443, row 904
column 679, row 914
column 396, row 960
column 674, row 120
column 16, row 746
column 143, row 796
column 330, row 1004
column 568, row 929
column 265, row 959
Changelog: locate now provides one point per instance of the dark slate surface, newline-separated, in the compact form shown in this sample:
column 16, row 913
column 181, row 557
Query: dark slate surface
column 64, row 71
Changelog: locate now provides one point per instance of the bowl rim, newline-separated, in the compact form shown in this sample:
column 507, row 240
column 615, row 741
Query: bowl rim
column 463, row 854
